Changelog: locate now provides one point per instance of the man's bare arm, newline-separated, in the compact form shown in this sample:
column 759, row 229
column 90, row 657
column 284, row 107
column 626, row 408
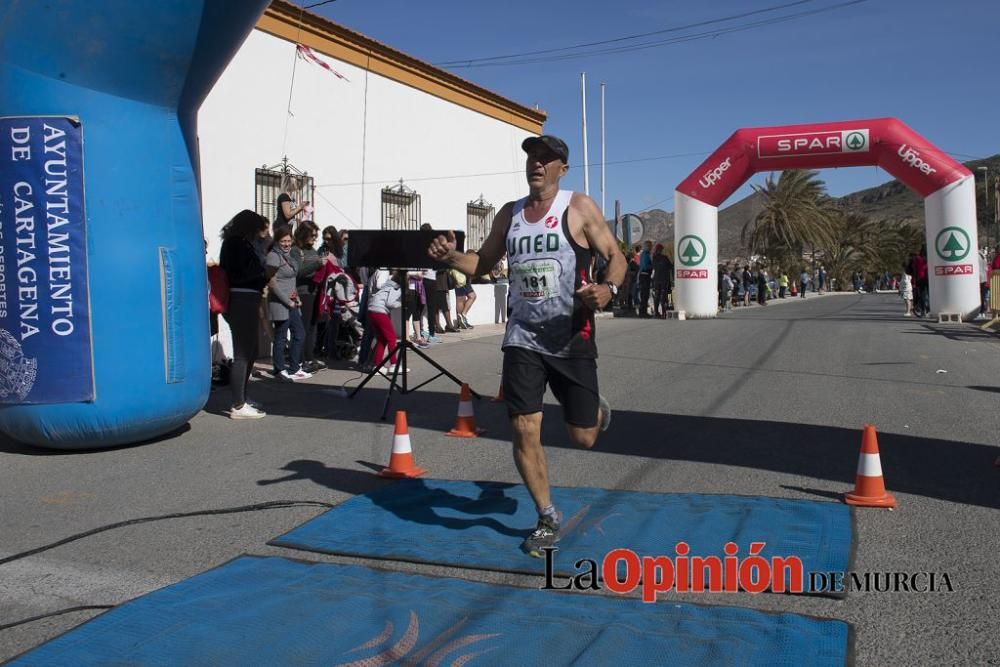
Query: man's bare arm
column 601, row 240
column 475, row 263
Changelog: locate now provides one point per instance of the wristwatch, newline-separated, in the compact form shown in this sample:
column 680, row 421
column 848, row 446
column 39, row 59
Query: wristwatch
column 612, row 288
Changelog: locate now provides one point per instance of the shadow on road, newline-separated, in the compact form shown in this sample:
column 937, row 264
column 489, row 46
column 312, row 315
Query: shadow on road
column 958, row 472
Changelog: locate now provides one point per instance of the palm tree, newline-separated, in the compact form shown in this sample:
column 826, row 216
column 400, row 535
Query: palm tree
column 869, row 246
column 796, row 214
column 854, row 247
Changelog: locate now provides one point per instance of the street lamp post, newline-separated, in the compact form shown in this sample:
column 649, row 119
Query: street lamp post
column 986, row 195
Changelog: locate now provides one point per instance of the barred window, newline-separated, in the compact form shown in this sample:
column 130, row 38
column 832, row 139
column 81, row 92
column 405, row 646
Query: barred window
column 479, row 216
column 269, row 183
column 400, row 207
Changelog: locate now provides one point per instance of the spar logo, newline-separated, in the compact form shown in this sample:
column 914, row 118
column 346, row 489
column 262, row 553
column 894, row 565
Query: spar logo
column 692, row 250
column 692, row 273
column 813, row 143
column 952, row 244
column 856, row 141
column 712, row 176
column 953, row 270
column 551, row 222
column 911, row 156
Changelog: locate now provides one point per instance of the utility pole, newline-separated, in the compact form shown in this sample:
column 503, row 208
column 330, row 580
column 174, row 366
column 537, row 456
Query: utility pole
column 602, row 150
column 586, row 166
column 986, row 203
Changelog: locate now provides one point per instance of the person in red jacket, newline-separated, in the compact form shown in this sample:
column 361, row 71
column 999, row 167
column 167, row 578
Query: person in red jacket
column 921, row 296
column 994, row 268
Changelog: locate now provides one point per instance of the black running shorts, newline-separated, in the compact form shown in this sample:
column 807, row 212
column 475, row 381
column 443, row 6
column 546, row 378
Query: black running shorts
column 573, row 382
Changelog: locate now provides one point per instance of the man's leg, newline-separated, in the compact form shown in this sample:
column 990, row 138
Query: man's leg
column 530, row 460
column 574, row 383
column 585, row 437
column 524, row 377
column 529, row 457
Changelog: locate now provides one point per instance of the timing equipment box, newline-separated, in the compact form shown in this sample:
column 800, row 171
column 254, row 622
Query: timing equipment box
column 396, row 249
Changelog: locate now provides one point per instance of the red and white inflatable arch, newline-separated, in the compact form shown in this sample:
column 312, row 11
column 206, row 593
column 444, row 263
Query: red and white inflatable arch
column 948, row 189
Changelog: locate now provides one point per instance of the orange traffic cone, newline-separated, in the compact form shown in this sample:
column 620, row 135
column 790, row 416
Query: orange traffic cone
column 869, row 486
column 465, row 423
column 499, row 397
column 401, row 462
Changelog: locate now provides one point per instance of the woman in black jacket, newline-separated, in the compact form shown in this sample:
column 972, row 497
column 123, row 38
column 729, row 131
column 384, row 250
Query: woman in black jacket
column 663, row 274
column 243, row 264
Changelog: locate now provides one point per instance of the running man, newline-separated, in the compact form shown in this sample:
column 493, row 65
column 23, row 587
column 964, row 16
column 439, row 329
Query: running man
column 549, row 238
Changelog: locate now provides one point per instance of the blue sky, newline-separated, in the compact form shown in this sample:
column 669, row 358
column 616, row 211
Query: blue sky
column 926, row 62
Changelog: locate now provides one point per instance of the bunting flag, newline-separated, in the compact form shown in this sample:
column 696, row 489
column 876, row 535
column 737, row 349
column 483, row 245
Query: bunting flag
column 307, row 54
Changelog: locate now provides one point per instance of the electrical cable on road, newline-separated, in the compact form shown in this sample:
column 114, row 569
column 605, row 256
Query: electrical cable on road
column 274, row 504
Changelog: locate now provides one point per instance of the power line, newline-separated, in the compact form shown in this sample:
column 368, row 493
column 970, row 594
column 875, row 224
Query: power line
column 319, row 4
column 650, row 207
column 627, row 37
column 501, row 173
column 710, row 34
column 655, row 158
column 616, row 162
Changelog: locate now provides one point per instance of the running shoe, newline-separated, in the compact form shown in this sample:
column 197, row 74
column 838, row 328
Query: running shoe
column 546, row 534
column 605, row 412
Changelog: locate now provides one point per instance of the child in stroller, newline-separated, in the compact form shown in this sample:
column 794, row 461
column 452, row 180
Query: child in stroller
column 339, row 302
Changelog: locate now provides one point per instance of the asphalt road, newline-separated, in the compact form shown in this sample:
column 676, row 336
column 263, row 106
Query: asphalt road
column 761, row 401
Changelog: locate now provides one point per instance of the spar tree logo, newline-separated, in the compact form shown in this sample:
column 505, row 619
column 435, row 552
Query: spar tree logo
column 952, row 244
column 691, row 250
column 855, row 141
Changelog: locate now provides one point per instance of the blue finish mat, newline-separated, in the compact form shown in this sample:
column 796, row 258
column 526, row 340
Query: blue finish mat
column 275, row 611
column 481, row 525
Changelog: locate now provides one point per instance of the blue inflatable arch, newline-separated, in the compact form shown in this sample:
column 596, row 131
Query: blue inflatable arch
column 104, row 335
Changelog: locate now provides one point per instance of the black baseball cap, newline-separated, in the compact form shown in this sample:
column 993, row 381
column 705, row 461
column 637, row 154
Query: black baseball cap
column 554, row 144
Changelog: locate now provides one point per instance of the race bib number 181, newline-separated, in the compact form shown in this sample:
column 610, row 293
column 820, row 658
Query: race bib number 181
column 536, row 279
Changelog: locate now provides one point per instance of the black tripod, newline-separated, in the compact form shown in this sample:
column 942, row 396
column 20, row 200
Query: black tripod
column 402, row 345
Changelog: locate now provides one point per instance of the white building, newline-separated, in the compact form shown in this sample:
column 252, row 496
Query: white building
column 393, row 117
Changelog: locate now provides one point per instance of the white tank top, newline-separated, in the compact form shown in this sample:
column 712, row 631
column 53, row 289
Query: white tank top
column 546, row 267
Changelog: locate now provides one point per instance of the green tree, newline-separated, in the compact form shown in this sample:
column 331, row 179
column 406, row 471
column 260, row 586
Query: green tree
column 869, row 246
column 796, row 214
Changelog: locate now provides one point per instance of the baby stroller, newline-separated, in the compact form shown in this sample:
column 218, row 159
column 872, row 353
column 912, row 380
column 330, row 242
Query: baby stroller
column 344, row 330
